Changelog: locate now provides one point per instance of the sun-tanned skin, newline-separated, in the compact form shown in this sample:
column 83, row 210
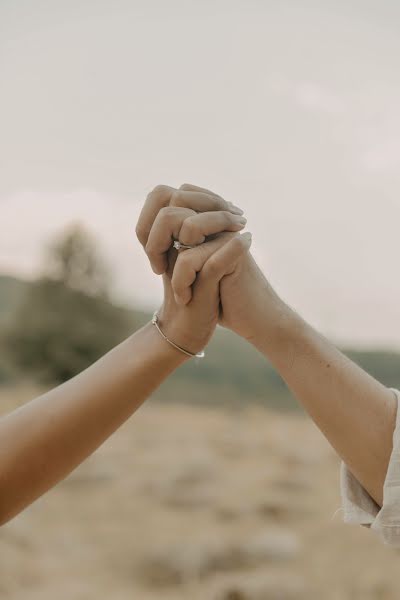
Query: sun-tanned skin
column 42, row 442
column 356, row 413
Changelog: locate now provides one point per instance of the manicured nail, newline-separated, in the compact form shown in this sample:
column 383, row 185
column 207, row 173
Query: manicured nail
column 241, row 220
column 235, row 209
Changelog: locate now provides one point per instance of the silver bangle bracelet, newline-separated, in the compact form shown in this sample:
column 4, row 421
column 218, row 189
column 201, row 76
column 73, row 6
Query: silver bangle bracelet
column 155, row 322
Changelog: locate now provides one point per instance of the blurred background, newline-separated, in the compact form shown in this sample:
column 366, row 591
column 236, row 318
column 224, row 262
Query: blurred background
column 219, row 487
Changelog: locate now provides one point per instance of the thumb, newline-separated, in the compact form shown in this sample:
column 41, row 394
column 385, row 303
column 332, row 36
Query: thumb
column 221, row 264
column 207, row 264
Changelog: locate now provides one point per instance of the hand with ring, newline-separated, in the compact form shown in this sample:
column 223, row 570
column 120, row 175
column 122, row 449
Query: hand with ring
column 191, row 217
column 220, row 279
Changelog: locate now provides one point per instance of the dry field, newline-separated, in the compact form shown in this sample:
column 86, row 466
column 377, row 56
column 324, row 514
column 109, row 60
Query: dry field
column 187, row 503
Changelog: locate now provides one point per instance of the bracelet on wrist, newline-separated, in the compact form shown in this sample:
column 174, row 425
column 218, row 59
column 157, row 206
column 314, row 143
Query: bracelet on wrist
column 155, row 322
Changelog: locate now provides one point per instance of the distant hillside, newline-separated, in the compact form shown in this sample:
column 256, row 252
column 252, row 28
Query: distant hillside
column 233, row 372
column 11, row 293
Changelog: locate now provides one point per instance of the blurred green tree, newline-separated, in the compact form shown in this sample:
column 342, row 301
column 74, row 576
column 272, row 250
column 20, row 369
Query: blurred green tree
column 66, row 321
column 74, row 260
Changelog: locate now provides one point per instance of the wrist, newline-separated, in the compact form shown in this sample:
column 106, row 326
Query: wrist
column 159, row 350
column 181, row 329
column 188, row 353
column 274, row 324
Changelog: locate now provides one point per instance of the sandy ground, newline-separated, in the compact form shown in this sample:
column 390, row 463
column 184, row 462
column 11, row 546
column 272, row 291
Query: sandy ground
column 197, row 504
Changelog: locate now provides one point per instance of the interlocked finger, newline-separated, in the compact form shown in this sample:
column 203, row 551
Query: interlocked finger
column 200, row 201
column 163, row 196
column 189, row 187
column 213, row 260
column 187, row 226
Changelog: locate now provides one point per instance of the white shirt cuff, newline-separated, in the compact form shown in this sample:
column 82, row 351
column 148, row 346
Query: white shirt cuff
column 359, row 507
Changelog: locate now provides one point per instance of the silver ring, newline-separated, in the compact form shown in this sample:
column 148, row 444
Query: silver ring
column 179, row 246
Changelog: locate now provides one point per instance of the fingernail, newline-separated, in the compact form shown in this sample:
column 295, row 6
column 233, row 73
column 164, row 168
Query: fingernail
column 248, row 237
column 241, row 220
column 235, row 209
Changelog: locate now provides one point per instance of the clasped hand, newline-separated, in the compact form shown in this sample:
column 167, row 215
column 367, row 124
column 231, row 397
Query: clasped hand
column 216, row 281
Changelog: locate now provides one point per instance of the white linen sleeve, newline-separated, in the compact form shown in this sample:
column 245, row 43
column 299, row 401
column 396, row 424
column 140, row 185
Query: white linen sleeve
column 359, row 507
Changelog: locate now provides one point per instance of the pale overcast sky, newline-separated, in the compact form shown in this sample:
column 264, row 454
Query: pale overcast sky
column 289, row 108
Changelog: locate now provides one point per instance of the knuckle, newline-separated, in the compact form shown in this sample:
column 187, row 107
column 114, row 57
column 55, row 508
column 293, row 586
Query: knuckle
column 175, row 198
column 141, row 233
column 166, row 213
column 189, row 227
column 150, row 250
column 183, row 261
column 203, row 253
column 227, row 216
column 211, row 267
column 161, row 190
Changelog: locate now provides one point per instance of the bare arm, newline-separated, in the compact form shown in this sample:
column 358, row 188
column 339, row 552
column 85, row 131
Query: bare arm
column 43, row 441
column 355, row 412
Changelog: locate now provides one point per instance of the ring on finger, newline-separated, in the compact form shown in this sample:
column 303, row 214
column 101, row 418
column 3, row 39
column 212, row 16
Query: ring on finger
column 179, row 246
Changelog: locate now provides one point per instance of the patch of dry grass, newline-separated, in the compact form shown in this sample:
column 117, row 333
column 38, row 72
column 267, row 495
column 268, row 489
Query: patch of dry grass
column 193, row 503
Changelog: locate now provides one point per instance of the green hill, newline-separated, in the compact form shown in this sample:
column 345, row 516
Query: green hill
column 232, row 373
column 11, row 293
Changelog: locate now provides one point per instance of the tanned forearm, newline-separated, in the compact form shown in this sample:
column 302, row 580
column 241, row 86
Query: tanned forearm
column 355, row 412
column 43, row 441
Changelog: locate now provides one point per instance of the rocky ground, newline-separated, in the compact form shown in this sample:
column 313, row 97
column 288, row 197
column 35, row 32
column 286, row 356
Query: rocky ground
column 188, row 503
